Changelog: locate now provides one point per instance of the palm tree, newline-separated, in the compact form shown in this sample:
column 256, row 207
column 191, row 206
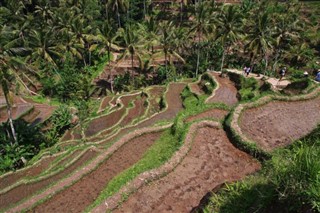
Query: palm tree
column 44, row 47
column 286, row 31
column 10, row 68
column 117, row 6
column 228, row 29
column 202, row 26
column 103, row 40
column 133, row 44
column 259, row 37
column 168, row 41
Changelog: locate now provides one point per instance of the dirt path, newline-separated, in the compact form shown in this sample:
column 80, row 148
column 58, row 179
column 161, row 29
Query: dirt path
column 211, row 161
column 275, row 83
column 278, row 123
column 26, row 190
column 77, row 197
column 226, row 92
column 216, row 114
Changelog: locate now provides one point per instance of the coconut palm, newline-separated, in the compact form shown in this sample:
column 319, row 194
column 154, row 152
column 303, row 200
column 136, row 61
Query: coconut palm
column 228, row 29
column 202, row 26
column 133, row 43
column 10, row 69
column 44, row 47
column 168, row 40
column 117, row 6
column 259, row 37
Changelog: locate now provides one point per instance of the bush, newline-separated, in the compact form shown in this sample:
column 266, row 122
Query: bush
column 13, row 154
column 60, row 122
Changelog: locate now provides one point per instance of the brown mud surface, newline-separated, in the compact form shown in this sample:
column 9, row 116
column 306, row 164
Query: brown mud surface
column 105, row 103
column 81, row 194
column 32, row 171
column 216, row 114
column 109, row 120
column 195, row 88
column 67, row 136
column 17, row 111
column 226, row 93
column 278, row 123
column 45, row 113
column 211, row 161
column 26, row 190
column 174, row 103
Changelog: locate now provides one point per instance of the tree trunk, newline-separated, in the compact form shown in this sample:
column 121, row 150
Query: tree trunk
column 10, row 115
column 166, row 63
column 222, row 60
column 198, row 61
column 144, row 9
column 118, row 14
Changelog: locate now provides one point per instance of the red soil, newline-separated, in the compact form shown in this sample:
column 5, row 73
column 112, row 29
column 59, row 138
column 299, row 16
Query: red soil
column 109, row 120
column 174, row 103
column 26, row 190
column 216, row 114
column 14, row 177
column 105, row 103
column 40, row 113
column 78, row 196
column 278, row 123
column 226, row 93
column 17, row 111
column 211, row 161
column 194, row 87
column 67, row 136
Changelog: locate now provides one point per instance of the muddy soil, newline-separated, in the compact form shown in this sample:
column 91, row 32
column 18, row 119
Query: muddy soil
column 196, row 89
column 174, row 106
column 14, row 177
column 278, row 123
column 216, row 114
column 26, row 190
column 226, row 93
column 211, row 161
column 109, row 120
column 17, row 111
column 105, row 103
column 67, row 136
column 78, row 196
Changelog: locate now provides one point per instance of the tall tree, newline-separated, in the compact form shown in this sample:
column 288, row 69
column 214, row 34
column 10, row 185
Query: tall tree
column 10, row 68
column 202, row 25
column 228, row 30
column 259, row 37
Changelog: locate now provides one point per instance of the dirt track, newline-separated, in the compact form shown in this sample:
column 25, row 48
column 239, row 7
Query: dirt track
column 278, row 123
column 211, row 161
column 226, row 93
column 77, row 197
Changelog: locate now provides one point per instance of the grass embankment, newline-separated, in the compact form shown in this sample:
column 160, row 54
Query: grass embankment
column 163, row 149
column 288, row 182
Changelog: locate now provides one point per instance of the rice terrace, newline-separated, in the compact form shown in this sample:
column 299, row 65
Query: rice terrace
column 159, row 106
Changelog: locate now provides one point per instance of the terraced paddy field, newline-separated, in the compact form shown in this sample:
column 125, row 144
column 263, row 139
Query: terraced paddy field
column 211, row 161
column 127, row 126
column 278, row 123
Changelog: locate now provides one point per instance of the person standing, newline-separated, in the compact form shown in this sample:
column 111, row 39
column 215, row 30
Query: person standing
column 282, row 73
